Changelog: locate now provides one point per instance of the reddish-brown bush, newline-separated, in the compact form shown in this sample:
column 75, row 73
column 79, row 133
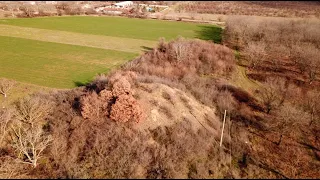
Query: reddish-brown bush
column 117, row 104
column 92, row 106
column 126, row 108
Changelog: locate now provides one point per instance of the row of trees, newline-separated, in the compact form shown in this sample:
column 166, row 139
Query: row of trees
column 271, row 9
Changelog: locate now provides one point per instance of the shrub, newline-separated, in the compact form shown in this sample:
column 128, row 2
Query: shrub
column 126, row 108
column 118, row 104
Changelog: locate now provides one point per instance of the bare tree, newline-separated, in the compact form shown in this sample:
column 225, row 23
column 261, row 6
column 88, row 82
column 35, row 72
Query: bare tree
column 28, row 136
column 180, row 49
column 256, row 52
column 5, row 119
column 307, row 59
column 10, row 168
column 225, row 101
column 5, row 86
column 32, row 110
column 290, row 118
column 273, row 92
column 312, row 105
column 29, row 142
column 28, row 11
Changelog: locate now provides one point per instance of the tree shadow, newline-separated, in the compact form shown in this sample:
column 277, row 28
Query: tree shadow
column 211, row 33
column 146, row 49
column 79, row 84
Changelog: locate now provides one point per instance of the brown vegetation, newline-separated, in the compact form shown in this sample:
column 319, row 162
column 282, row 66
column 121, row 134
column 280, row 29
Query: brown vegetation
column 117, row 104
column 283, row 55
column 272, row 135
column 286, row 47
column 259, row 8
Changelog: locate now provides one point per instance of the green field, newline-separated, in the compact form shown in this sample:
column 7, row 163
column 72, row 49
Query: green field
column 146, row 29
column 54, row 64
column 63, row 52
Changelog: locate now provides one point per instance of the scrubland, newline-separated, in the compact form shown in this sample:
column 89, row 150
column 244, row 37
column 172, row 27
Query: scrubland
column 160, row 115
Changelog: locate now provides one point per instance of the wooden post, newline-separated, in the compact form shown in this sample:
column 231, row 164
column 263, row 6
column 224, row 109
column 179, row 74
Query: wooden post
column 224, row 121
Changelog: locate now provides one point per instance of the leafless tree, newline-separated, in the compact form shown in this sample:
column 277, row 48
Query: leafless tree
column 273, row 92
column 256, row 52
column 5, row 119
column 180, row 49
column 289, row 119
column 32, row 110
column 28, row 136
column 307, row 59
column 28, row 11
column 312, row 104
column 226, row 101
column 29, row 142
column 5, row 86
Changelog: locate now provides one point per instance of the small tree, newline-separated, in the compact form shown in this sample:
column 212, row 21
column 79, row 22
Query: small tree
column 290, row 118
column 179, row 49
column 307, row 59
column 273, row 93
column 5, row 86
column 312, row 105
column 225, row 101
column 5, row 119
column 27, row 11
column 256, row 53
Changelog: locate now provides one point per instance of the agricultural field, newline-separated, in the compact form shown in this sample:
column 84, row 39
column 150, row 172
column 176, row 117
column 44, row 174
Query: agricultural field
column 64, row 52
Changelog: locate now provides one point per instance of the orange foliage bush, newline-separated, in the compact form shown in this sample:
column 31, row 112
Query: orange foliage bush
column 117, row 104
column 125, row 109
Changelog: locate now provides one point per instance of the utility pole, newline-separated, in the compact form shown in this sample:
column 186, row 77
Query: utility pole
column 224, row 121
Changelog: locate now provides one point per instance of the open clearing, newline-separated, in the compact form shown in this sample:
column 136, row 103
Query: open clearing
column 53, row 64
column 64, row 52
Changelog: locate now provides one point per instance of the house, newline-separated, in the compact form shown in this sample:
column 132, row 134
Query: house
column 123, row 4
column 51, row 2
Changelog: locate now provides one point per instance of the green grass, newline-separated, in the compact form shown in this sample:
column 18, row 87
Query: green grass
column 241, row 80
column 146, row 29
column 73, row 38
column 63, row 52
column 53, row 64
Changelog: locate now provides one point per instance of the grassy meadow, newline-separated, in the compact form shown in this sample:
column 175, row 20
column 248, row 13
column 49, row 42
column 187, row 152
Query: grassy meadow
column 146, row 29
column 63, row 52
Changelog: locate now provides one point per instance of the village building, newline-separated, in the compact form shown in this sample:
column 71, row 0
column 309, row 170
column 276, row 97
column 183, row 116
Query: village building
column 123, row 4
